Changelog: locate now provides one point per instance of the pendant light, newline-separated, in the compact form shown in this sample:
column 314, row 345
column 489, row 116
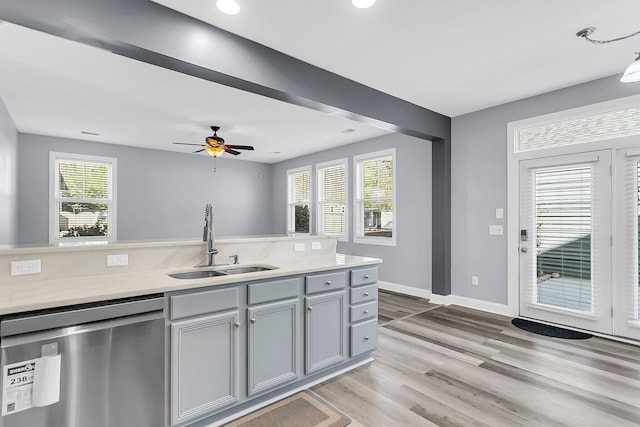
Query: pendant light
column 363, row 4
column 230, row 7
column 632, row 73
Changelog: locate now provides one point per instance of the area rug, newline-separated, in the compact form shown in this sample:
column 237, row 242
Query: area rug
column 548, row 330
column 303, row 409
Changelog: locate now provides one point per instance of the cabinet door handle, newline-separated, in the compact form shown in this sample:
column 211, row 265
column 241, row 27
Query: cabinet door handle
column 366, row 276
column 366, row 312
column 237, row 324
column 366, row 294
column 252, row 320
column 310, row 308
column 328, row 282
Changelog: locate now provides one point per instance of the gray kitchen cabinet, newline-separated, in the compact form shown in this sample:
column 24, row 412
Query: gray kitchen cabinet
column 273, row 345
column 204, row 364
column 326, row 330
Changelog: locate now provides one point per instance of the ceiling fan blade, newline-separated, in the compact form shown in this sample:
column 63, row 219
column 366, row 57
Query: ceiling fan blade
column 187, row 143
column 240, row 147
column 197, row 151
column 230, row 151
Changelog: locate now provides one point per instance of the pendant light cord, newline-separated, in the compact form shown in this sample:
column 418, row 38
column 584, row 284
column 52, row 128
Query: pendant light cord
column 588, row 31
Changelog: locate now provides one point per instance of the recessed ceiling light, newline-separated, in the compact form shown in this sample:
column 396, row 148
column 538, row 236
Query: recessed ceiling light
column 230, row 7
column 363, row 4
column 276, row 152
column 89, row 133
column 348, row 130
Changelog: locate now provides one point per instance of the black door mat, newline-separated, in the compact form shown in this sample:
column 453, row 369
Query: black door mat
column 548, row 330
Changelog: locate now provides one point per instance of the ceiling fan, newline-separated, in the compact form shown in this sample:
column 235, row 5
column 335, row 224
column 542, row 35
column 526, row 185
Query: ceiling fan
column 215, row 145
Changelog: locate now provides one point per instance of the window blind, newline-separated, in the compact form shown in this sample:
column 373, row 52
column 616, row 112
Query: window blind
column 332, row 199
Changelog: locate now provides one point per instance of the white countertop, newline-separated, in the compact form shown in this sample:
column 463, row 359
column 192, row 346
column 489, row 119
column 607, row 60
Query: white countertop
column 39, row 294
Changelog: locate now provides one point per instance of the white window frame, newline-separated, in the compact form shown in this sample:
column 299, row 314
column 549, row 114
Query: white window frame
column 320, row 170
column 54, row 198
column 358, row 201
column 291, row 226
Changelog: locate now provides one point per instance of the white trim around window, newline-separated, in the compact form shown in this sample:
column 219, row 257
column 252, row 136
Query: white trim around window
column 105, row 220
column 298, row 196
column 375, row 226
column 332, row 195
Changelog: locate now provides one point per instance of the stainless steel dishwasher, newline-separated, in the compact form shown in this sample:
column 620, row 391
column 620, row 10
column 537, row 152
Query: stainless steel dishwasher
column 98, row 365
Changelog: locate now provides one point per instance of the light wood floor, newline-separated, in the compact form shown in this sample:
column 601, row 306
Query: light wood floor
column 453, row 366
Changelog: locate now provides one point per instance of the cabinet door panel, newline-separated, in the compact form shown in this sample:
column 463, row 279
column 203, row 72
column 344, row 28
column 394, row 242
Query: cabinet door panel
column 326, row 330
column 272, row 345
column 204, row 365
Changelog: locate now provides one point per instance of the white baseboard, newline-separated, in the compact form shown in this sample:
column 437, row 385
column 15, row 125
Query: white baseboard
column 490, row 307
column 404, row 289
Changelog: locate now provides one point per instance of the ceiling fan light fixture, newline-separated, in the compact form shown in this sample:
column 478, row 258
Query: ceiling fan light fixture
column 230, row 7
column 363, row 4
column 214, row 151
column 632, row 73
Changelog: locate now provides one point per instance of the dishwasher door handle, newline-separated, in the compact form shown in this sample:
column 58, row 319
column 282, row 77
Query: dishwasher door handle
column 51, row 334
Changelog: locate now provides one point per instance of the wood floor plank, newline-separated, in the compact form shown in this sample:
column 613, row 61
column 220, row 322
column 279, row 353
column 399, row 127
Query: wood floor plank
column 452, row 366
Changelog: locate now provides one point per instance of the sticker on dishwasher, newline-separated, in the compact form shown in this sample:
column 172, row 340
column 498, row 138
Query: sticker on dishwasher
column 17, row 386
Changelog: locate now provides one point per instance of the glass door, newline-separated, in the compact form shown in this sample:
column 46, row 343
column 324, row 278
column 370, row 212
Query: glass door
column 627, row 242
column 565, row 240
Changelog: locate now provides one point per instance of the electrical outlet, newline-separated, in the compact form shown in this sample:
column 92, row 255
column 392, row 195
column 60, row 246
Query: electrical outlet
column 32, row 266
column 496, row 230
column 117, row 260
column 316, row 246
column 474, row 280
column 299, row 247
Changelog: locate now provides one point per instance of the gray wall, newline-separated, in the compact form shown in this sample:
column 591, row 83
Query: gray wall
column 160, row 194
column 409, row 262
column 8, row 178
column 479, row 182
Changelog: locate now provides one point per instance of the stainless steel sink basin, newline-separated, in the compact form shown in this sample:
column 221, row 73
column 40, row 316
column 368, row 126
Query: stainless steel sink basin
column 201, row 274
column 198, row 274
column 242, row 270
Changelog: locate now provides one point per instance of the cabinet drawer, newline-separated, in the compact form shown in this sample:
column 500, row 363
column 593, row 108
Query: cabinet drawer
column 364, row 293
column 197, row 303
column 364, row 337
column 363, row 311
column 364, row 276
column 272, row 291
column 326, row 282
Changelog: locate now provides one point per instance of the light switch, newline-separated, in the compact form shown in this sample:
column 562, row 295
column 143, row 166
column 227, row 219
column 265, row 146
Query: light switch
column 316, row 246
column 499, row 213
column 299, row 247
column 496, row 230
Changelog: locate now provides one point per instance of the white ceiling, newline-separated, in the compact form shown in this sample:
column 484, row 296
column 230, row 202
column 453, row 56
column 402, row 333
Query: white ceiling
column 452, row 57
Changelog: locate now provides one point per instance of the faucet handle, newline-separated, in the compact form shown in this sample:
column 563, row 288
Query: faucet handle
column 235, row 258
column 213, row 251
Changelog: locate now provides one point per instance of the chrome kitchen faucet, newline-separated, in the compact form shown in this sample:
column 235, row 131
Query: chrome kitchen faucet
column 209, row 236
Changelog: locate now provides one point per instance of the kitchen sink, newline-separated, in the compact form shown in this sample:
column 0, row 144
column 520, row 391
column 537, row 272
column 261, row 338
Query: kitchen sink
column 198, row 274
column 201, row 274
column 242, row 270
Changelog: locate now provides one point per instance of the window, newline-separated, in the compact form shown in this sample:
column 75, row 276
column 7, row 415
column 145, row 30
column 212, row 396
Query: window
column 82, row 207
column 332, row 199
column 375, row 198
column 299, row 200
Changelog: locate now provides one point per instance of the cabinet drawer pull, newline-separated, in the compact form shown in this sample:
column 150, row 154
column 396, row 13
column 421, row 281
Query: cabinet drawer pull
column 366, row 338
column 366, row 312
column 237, row 324
column 366, row 294
column 252, row 320
column 328, row 282
column 310, row 308
column 366, row 276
